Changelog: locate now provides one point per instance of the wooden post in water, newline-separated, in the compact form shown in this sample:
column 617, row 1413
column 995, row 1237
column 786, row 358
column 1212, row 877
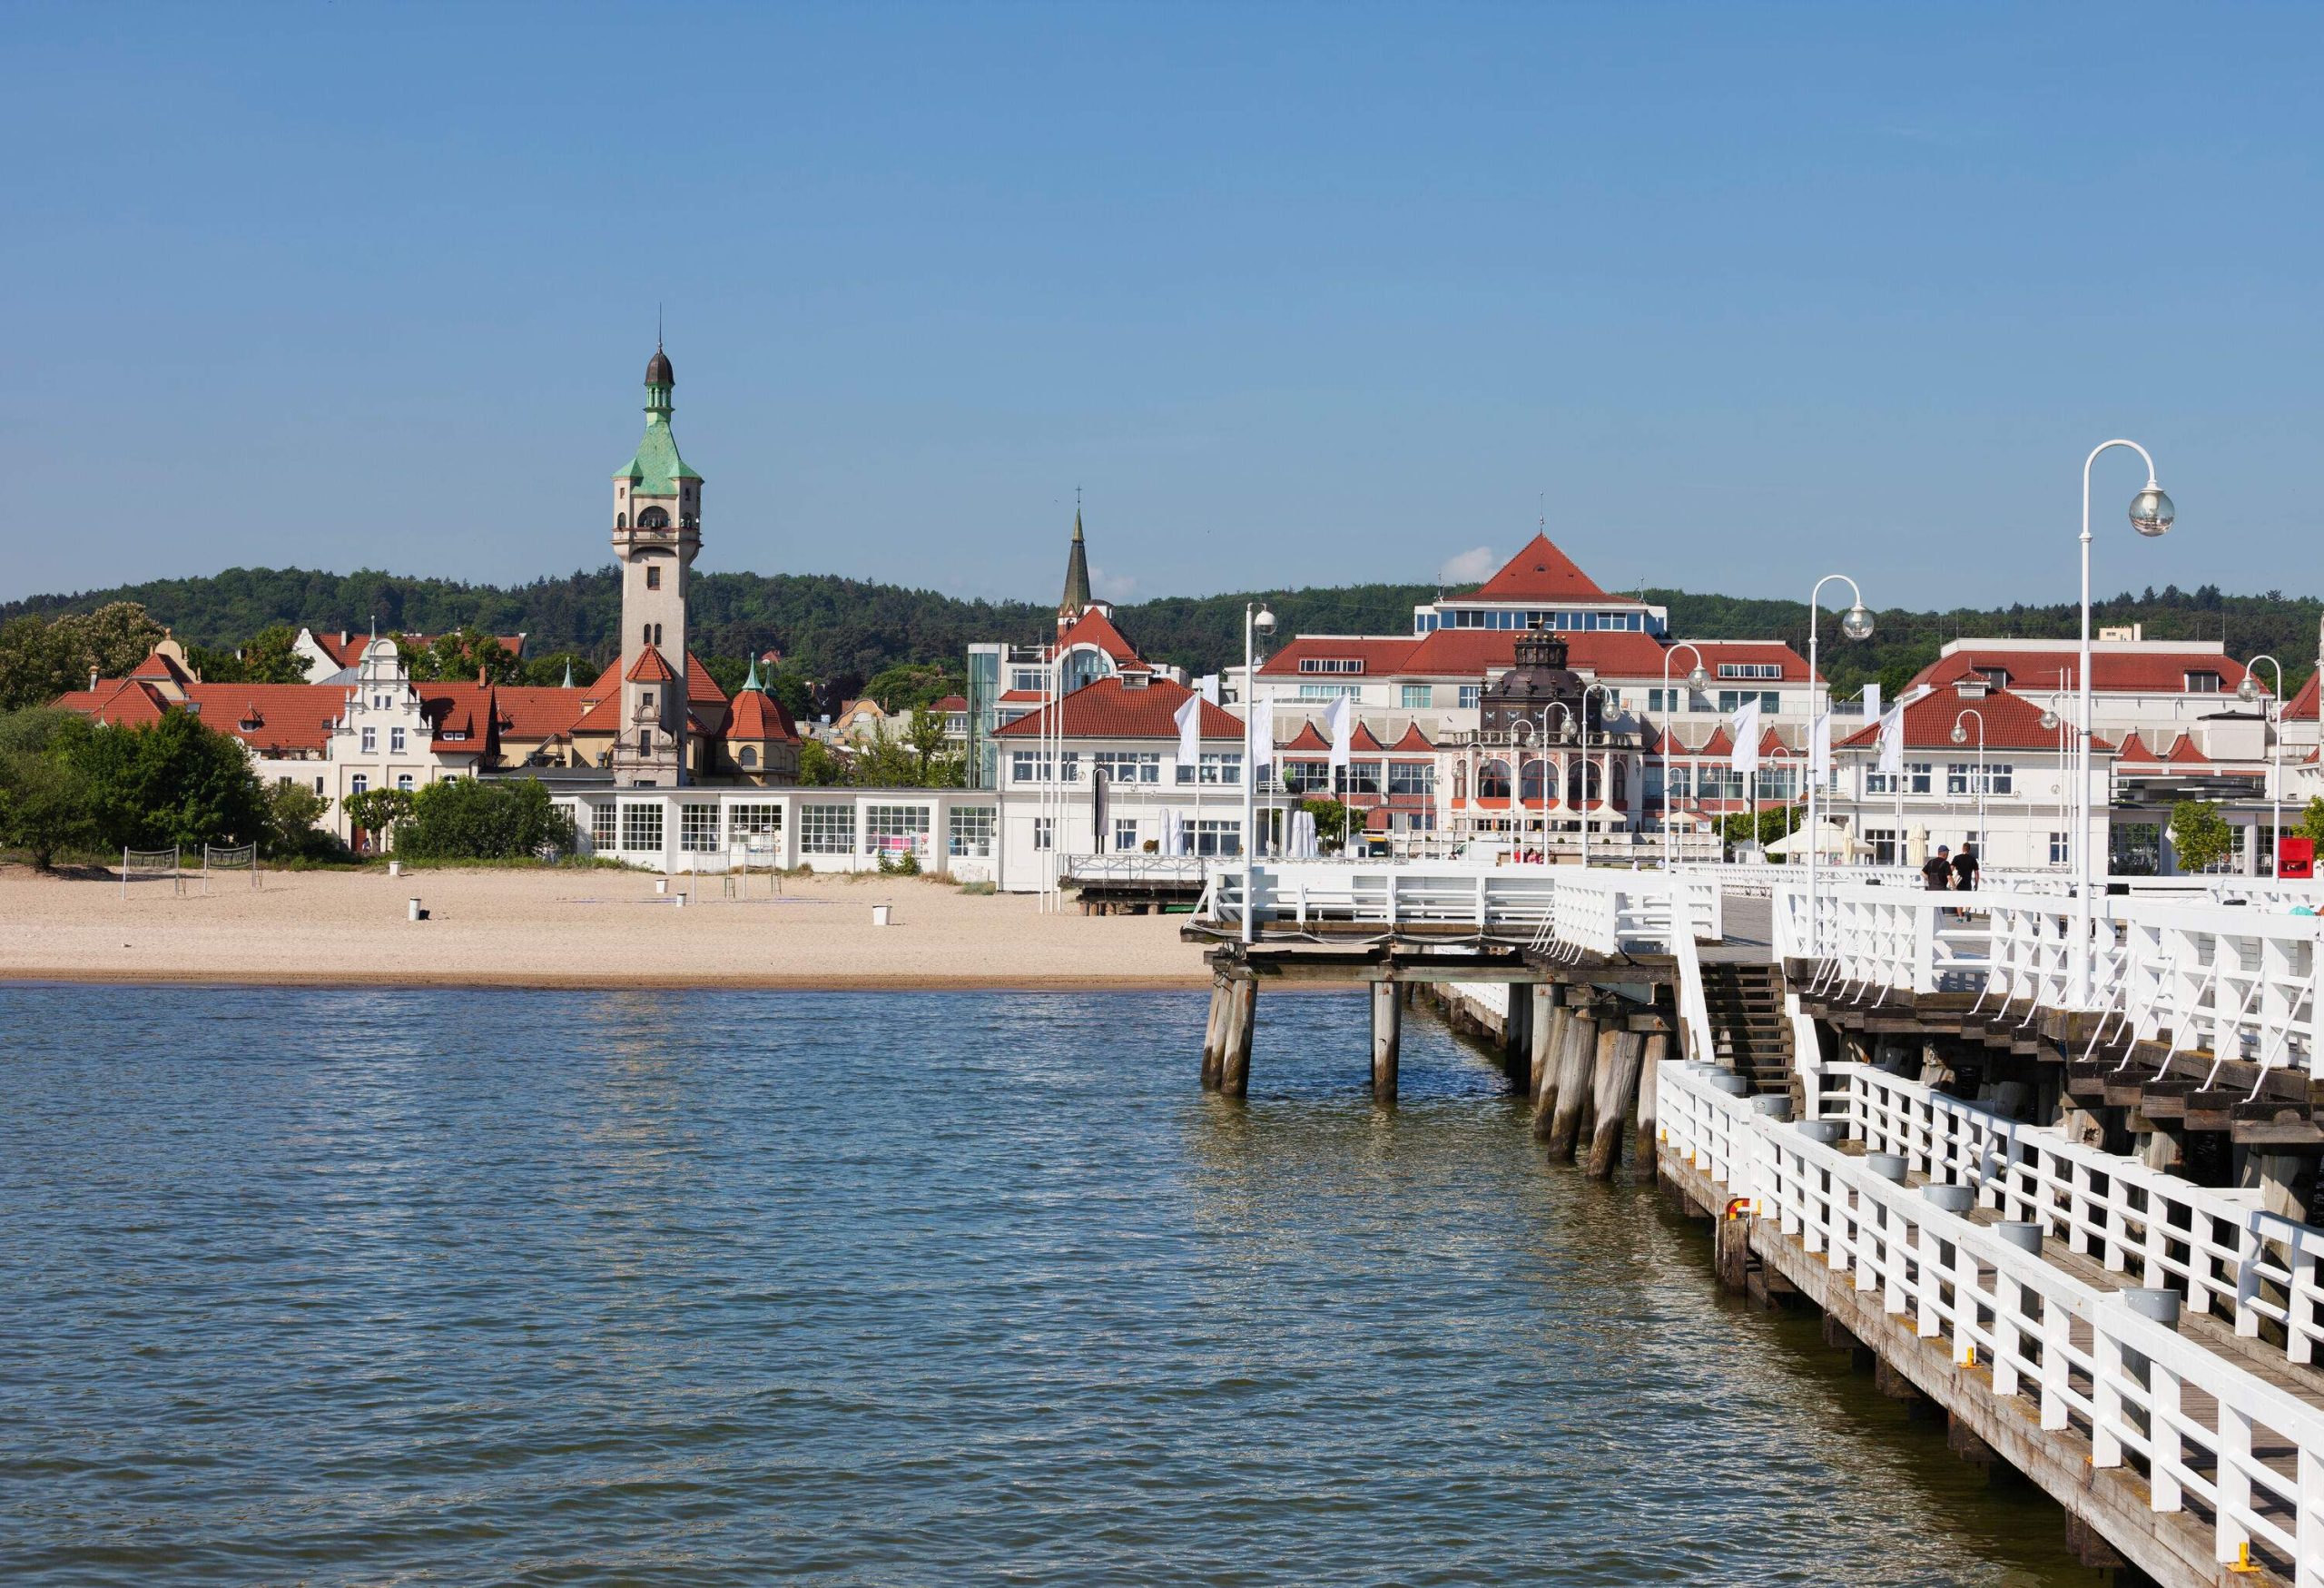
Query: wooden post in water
column 1541, row 1034
column 1213, row 1031
column 1234, row 1074
column 1545, row 1097
column 1514, row 1044
column 1574, row 1072
column 1658, row 1048
column 1627, row 1056
column 1387, row 1039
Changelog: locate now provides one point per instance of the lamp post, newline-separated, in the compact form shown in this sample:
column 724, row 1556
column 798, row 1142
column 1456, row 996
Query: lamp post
column 1548, row 797
column 1856, row 625
column 2151, row 514
column 1602, row 790
column 1696, row 679
column 1961, row 737
column 2248, row 691
column 1257, row 621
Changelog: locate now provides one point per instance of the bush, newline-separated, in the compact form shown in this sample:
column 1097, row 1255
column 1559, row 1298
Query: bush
column 173, row 781
column 470, row 819
column 292, row 809
column 2200, row 836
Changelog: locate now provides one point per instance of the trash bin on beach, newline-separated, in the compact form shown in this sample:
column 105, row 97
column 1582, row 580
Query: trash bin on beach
column 880, row 915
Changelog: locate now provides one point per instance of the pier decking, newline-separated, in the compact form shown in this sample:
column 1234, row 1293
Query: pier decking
column 2083, row 1229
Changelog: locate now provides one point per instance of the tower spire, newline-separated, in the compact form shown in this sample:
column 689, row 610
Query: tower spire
column 1077, row 571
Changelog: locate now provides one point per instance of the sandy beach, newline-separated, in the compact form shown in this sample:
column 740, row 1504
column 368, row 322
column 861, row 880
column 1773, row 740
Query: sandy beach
column 589, row 928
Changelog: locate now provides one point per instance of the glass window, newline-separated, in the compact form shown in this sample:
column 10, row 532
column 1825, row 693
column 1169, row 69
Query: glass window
column 1129, row 765
column 896, row 829
column 971, row 830
column 827, row 829
column 1359, row 777
column 698, row 828
column 1298, row 777
column 1470, row 695
column 2061, row 849
column 1412, row 777
column 1044, row 833
column 1222, row 766
column 601, row 826
column 370, row 741
column 1414, row 696
column 641, row 826
column 1884, row 845
column 744, row 819
column 1125, row 832
column 1329, row 691
column 360, row 784
column 403, row 781
column 1218, row 837
column 395, row 739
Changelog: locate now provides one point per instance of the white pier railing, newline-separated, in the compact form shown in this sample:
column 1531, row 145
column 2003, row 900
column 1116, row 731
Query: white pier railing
column 2234, row 982
column 2079, row 1354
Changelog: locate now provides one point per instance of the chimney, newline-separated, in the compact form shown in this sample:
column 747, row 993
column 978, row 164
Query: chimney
column 92, row 678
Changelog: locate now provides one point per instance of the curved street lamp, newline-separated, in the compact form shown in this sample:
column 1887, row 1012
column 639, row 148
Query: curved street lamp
column 2247, row 692
column 1961, row 737
column 1257, row 623
column 1696, row 679
column 2152, row 513
column 1856, row 625
column 1607, row 690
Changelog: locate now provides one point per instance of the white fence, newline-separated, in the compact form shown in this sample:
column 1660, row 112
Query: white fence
column 2079, row 1354
column 2238, row 983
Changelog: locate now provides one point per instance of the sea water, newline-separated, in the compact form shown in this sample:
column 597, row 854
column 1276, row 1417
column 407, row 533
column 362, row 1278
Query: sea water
column 710, row 1287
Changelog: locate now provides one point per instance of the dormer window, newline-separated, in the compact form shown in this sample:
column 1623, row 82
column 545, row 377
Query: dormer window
column 2202, row 684
column 1995, row 677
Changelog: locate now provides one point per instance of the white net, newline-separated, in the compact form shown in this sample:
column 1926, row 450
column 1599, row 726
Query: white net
column 752, row 853
column 151, row 865
column 236, row 862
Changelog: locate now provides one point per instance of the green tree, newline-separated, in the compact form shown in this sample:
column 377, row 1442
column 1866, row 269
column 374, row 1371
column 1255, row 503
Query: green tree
column 1763, row 827
column 2311, row 821
column 468, row 818
column 40, row 661
column 820, row 766
column 44, row 793
column 462, row 656
column 172, row 782
column 548, row 672
column 379, row 812
column 912, row 685
column 292, row 811
column 1331, row 819
column 2200, row 836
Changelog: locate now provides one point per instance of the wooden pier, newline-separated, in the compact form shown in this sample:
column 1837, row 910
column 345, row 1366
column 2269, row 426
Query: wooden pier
column 2084, row 1232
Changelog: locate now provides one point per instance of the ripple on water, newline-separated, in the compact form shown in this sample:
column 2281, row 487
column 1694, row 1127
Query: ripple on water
column 374, row 1288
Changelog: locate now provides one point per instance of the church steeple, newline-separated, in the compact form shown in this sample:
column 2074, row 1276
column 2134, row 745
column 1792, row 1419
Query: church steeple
column 659, row 379
column 1077, row 575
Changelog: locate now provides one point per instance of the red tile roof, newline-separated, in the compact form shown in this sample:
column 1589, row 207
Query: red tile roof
column 1539, row 572
column 650, row 668
column 1093, row 627
column 1307, row 738
column 1377, row 655
column 950, row 702
column 759, row 716
column 282, row 718
column 702, row 689
column 2186, row 754
column 1107, row 710
column 2012, row 723
column 1412, row 740
column 2301, row 707
column 2134, row 749
column 1470, row 652
column 538, row 712
column 2139, row 672
column 464, row 709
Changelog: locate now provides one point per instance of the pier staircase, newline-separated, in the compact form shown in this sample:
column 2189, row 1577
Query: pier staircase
column 1750, row 1033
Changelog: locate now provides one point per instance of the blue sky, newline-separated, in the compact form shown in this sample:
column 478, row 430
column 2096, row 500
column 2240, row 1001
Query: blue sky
column 1294, row 294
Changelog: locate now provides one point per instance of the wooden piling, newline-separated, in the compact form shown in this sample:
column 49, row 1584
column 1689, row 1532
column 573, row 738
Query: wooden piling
column 1616, row 1097
column 1657, row 1048
column 1538, row 1018
column 1234, row 1074
column 1576, row 1073
column 1387, row 1039
column 1213, row 1032
column 1515, row 1045
column 1549, row 1046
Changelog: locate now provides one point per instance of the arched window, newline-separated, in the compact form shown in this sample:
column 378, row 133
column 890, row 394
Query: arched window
column 1460, row 780
column 621, row 520
column 1581, row 783
column 1621, row 783
column 657, row 634
column 1529, row 784
column 645, row 740
column 654, row 519
column 1492, row 781
column 645, row 635
column 748, row 757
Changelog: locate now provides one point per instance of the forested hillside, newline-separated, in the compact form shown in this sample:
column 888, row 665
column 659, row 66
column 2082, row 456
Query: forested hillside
column 842, row 631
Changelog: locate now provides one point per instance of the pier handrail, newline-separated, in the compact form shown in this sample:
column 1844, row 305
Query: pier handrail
column 2227, row 1254
column 1996, row 1305
column 2233, row 983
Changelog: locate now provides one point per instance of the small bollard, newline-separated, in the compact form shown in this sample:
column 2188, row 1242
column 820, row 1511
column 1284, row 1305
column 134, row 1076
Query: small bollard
column 417, row 913
column 662, row 886
column 880, row 915
column 1733, row 1084
column 2161, row 1305
column 1775, row 1105
column 2025, row 1237
column 678, row 901
column 395, row 868
column 1826, row 1131
column 1888, row 1166
column 1952, row 1198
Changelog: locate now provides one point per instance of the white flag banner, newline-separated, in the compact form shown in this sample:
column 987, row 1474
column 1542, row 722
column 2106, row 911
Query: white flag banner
column 1871, row 700
column 1892, row 741
column 1303, row 845
column 1743, row 725
column 1174, row 830
column 1819, row 749
column 1341, row 721
column 1258, row 736
column 1189, row 718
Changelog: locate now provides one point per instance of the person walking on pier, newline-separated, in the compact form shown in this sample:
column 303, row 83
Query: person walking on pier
column 1964, row 869
column 1937, row 871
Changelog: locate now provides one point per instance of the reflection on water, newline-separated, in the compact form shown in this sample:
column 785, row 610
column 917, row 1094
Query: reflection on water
column 867, row 1287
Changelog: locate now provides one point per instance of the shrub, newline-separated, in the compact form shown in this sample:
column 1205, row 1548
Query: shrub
column 172, row 782
column 292, row 809
column 470, row 819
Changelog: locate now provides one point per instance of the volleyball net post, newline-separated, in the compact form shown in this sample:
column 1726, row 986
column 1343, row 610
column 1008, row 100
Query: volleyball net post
column 151, row 865
column 242, row 858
